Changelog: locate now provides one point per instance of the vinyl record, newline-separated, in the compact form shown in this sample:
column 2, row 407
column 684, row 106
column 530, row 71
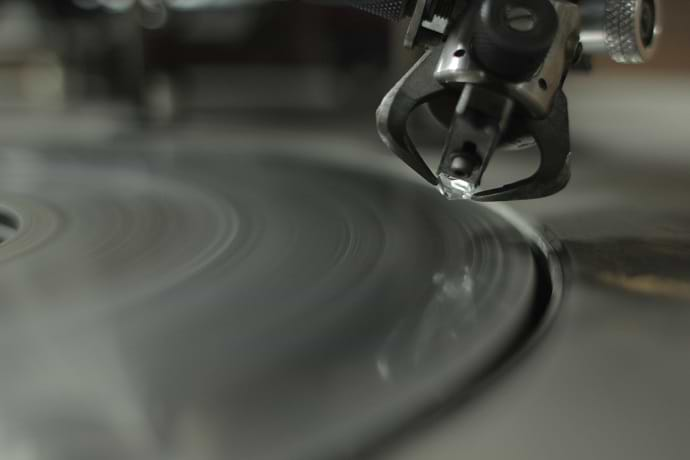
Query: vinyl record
column 240, row 306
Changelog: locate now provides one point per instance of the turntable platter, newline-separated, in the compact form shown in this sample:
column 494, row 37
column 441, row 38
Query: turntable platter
column 239, row 306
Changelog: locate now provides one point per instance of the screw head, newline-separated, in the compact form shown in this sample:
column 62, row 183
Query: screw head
column 520, row 18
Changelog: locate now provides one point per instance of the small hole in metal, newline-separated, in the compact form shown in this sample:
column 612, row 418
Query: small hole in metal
column 542, row 84
column 459, row 53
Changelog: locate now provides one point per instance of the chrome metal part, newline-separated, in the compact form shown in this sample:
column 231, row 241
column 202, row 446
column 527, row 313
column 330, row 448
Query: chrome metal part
column 457, row 67
column 593, row 31
column 415, row 88
column 415, row 23
column 478, row 124
column 627, row 30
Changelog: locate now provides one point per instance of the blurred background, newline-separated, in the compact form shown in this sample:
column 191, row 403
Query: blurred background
column 178, row 59
column 164, row 61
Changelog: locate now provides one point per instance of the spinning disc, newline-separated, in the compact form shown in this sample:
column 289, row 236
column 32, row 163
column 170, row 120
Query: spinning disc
column 231, row 306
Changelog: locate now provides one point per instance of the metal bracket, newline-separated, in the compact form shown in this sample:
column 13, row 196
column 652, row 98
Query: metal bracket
column 457, row 68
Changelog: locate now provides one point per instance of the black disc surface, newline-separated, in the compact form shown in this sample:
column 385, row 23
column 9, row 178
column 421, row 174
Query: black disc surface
column 221, row 306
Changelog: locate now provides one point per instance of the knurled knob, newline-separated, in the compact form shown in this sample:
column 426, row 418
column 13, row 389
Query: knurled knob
column 632, row 29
